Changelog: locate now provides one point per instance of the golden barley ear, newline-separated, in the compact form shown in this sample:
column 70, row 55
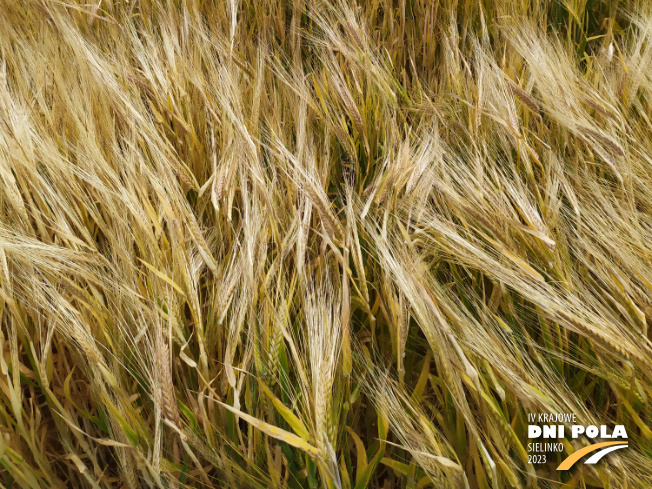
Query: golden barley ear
column 168, row 396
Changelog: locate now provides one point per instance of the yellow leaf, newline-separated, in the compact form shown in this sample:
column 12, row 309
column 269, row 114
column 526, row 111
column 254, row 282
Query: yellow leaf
column 361, row 455
column 275, row 431
column 163, row 277
column 296, row 424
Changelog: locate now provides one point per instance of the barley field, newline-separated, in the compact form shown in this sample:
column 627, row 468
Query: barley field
column 323, row 244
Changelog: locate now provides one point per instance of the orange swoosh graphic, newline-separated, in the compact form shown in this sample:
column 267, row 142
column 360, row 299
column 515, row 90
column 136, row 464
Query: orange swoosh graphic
column 575, row 456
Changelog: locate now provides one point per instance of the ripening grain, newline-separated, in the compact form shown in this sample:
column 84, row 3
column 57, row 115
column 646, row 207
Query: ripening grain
column 322, row 244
